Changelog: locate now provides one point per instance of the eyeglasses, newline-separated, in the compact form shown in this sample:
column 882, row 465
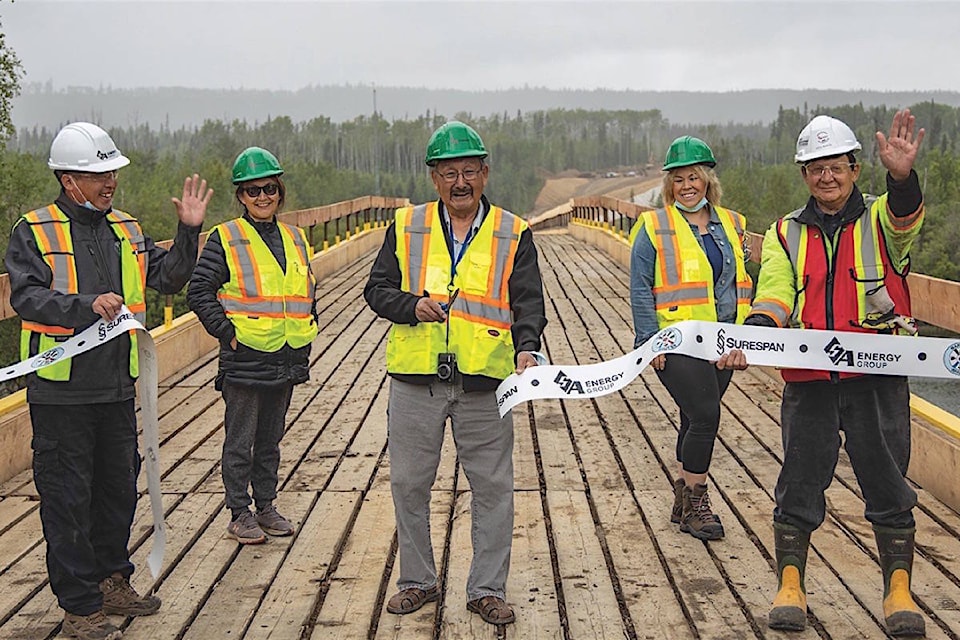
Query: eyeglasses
column 834, row 169
column 97, row 177
column 253, row 191
column 469, row 174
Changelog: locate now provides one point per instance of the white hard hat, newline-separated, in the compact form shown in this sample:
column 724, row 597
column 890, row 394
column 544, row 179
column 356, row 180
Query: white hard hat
column 825, row 136
column 81, row 146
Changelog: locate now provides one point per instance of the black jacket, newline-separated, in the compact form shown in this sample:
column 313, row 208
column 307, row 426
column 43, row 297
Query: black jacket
column 102, row 374
column 382, row 292
column 245, row 365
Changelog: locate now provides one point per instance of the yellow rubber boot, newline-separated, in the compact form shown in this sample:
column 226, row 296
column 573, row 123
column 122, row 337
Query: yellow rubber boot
column 901, row 614
column 789, row 610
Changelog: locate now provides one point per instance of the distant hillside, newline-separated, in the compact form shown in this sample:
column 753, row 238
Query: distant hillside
column 43, row 106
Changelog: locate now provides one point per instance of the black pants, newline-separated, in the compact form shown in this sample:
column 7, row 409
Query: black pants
column 85, row 466
column 873, row 412
column 696, row 386
column 254, row 422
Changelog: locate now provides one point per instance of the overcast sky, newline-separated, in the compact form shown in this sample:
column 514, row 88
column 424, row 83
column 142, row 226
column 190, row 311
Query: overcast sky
column 665, row 45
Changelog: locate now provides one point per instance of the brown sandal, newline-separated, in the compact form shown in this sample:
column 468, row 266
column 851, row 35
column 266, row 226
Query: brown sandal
column 410, row 600
column 492, row 610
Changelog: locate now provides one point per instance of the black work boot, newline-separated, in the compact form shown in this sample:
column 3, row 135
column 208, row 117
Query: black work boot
column 900, row 613
column 677, row 511
column 698, row 519
column 789, row 610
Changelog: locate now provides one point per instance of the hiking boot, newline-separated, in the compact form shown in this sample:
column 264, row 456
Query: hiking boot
column 272, row 522
column 119, row 597
column 95, row 626
column 677, row 511
column 698, row 520
column 245, row 529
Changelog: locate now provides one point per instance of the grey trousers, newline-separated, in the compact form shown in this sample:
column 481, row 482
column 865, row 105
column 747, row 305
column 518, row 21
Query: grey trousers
column 417, row 415
column 253, row 425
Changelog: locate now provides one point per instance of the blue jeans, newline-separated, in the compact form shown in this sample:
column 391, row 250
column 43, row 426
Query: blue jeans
column 85, row 466
column 417, row 415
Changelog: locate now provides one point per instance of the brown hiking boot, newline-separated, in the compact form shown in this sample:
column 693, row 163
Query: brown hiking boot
column 698, row 519
column 95, row 626
column 245, row 529
column 677, row 512
column 119, row 597
column 272, row 522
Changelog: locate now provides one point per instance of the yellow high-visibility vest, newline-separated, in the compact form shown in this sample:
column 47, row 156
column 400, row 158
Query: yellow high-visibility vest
column 51, row 232
column 267, row 307
column 683, row 277
column 480, row 319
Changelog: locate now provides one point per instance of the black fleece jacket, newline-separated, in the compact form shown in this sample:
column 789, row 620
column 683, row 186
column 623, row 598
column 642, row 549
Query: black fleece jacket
column 384, row 295
column 102, row 374
column 245, row 365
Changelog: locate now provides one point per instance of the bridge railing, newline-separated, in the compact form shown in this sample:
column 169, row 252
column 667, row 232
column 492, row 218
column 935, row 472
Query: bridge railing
column 605, row 222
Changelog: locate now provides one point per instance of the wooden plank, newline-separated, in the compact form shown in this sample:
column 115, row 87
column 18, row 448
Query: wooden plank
column 236, row 596
column 354, row 586
column 418, row 625
column 291, row 597
column 456, row 622
column 530, row 585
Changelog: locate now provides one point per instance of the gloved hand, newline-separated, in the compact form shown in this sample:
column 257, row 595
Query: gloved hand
column 758, row 320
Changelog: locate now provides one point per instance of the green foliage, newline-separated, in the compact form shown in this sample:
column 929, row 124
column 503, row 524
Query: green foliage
column 10, row 73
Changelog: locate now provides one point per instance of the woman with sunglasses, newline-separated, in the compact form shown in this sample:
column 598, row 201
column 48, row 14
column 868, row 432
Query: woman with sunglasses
column 253, row 290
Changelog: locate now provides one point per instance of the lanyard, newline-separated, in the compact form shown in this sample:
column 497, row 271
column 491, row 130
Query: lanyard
column 463, row 249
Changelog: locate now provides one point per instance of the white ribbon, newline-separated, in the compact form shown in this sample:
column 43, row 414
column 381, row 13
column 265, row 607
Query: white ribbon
column 91, row 338
column 790, row 348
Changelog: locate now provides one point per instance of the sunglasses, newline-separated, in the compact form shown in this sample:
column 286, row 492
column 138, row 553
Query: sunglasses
column 253, row 191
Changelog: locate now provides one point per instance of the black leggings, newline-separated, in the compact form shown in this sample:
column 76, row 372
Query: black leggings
column 696, row 386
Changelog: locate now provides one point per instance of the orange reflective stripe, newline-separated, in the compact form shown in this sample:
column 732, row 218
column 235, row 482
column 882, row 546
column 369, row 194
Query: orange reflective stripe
column 36, row 327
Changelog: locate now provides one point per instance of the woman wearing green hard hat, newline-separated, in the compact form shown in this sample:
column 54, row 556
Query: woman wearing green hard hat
column 253, row 290
column 687, row 263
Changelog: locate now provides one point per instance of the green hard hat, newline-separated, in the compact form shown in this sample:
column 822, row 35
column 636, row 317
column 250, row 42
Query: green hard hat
column 454, row 140
column 253, row 163
column 687, row 150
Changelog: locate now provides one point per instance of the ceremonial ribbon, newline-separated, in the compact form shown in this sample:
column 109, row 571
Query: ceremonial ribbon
column 90, row 338
column 842, row 351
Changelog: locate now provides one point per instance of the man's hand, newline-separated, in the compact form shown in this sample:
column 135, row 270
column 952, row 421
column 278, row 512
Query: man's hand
column 107, row 305
column 659, row 361
column 733, row 359
column 428, row 310
column 898, row 152
column 192, row 207
column 525, row 359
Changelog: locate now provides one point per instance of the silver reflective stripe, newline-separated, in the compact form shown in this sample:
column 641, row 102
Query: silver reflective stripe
column 771, row 309
column 60, row 256
column 297, row 239
column 273, row 307
column 679, row 296
column 744, row 293
column 248, row 273
column 487, row 312
column 505, row 248
column 666, row 248
column 418, row 231
column 868, row 242
column 794, row 231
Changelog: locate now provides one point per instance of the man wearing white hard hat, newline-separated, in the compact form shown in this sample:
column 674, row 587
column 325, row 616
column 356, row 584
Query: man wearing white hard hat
column 840, row 263
column 72, row 263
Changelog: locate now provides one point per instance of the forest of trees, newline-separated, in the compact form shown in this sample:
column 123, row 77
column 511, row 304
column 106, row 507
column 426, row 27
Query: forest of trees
column 327, row 162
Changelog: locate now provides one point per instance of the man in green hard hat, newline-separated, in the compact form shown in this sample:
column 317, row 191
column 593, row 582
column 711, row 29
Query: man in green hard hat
column 459, row 279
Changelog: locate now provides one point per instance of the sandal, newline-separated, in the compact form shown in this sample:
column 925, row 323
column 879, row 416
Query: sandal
column 492, row 610
column 409, row 600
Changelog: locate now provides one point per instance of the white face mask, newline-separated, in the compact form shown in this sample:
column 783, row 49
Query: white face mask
column 694, row 208
column 86, row 204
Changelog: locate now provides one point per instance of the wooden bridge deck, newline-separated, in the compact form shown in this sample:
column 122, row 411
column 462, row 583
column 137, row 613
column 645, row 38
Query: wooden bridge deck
column 594, row 554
